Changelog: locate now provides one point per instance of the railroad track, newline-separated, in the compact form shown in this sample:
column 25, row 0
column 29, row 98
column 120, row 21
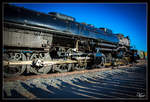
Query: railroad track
column 22, row 77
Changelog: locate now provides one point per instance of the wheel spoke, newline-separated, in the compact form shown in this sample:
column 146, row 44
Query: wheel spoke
column 37, row 67
column 12, row 71
column 63, row 68
column 80, row 67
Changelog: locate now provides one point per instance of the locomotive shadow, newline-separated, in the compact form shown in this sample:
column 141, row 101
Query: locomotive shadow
column 14, row 94
column 111, row 86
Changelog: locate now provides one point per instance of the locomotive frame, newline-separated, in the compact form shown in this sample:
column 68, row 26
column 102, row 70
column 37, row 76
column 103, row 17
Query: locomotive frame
column 33, row 45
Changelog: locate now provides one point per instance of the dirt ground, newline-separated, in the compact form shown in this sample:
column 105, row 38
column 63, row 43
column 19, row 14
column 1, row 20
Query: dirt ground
column 123, row 83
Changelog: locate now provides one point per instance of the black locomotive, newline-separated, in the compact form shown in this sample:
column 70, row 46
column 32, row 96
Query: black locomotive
column 39, row 43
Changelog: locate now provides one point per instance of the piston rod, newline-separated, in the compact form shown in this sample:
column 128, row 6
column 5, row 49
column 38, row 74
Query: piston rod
column 5, row 63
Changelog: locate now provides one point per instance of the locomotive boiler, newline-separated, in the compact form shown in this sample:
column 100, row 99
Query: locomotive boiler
column 39, row 43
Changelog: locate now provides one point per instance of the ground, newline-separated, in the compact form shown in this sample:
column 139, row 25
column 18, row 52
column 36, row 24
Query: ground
column 122, row 83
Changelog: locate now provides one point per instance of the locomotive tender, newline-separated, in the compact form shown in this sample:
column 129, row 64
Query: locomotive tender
column 39, row 43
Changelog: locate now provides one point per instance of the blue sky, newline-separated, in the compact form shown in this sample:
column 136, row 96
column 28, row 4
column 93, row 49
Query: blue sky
column 129, row 19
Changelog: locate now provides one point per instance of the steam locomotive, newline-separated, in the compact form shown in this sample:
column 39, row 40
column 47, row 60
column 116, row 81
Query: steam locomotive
column 39, row 43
